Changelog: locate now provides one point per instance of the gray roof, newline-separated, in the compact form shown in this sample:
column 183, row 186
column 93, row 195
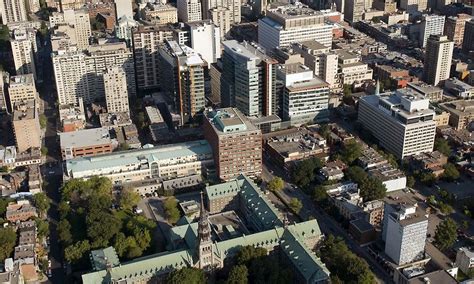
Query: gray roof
column 85, row 138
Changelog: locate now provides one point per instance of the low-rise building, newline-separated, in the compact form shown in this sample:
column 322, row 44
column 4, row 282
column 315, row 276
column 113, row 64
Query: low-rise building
column 72, row 118
column 465, row 260
column 333, row 170
column 433, row 93
column 461, row 113
column 86, row 142
column 458, row 88
column 441, row 117
column 21, row 210
column 432, row 162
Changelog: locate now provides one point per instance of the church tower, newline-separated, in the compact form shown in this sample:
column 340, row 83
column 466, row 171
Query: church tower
column 207, row 259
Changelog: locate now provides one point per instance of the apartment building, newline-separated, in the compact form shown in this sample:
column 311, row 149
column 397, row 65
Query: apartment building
column 146, row 41
column 402, row 122
column 205, row 39
column 414, row 6
column 160, row 14
column 21, row 88
column 293, row 23
column 233, row 6
column 21, row 210
column 189, row 10
column 13, row 11
column 438, row 57
column 160, row 162
column 124, row 29
column 468, row 39
column 430, row 25
column 183, row 81
column 352, row 70
column 235, row 142
column 305, row 97
column 222, row 17
column 86, row 143
column 454, row 28
column 78, row 20
column 433, row 93
column 24, row 47
column 26, row 126
column 461, row 113
column 354, row 10
column 116, row 93
column 248, row 79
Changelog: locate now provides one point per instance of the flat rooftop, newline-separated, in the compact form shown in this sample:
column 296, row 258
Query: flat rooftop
column 154, row 114
column 85, row 138
column 25, row 111
column 17, row 80
column 229, row 120
column 313, row 45
column 460, row 107
column 247, row 50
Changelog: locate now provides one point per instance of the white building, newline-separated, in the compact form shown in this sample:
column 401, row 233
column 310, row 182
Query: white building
column 293, row 23
column 24, row 47
column 13, row 11
column 305, row 97
column 438, row 57
column 123, row 8
column 402, row 122
column 78, row 20
column 116, row 93
column 430, row 25
column 205, row 40
column 405, row 229
column 189, row 10
column 123, row 28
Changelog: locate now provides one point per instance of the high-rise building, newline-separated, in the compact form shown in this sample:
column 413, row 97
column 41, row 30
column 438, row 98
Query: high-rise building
column 232, row 5
column 305, row 97
column 468, row 41
column 221, row 17
column 78, row 20
column 21, row 89
column 401, row 121
column 414, row 6
column 146, row 41
column 80, row 74
column 205, row 39
column 438, row 56
column 123, row 8
column 182, row 79
column 24, row 47
column 13, row 11
column 320, row 59
column 430, row 25
column 248, row 79
column 235, row 142
column 290, row 23
column 124, row 28
column 405, row 229
column 354, row 10
column 454, row 28
column 26, row 126
column 189, row 10
column 116, row 93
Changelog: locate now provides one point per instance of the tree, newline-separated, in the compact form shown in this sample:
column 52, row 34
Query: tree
column 171, row 210
column 372, row 188
column 77, row 251
column 247, row 253
column 410, row 181
column 43, row 121
column 238, row 275
column 3, row 205
column 304, row 172
column 4, row 169
column 276, row 184
column 351, row 151
column 295, row 205
column 450, row 172
column 186, row 275
column 64, row 231
column 356, row 174
column 325, row 130
column 42, row 227
column 128, row 198
column 445, row 234
column 123, row 146
column 42, row 202
column 7, row 242
column 427, row 178
column 44, row 151
column 347, row 89
column 320, row 194
column 102, row 226
column 442, row 146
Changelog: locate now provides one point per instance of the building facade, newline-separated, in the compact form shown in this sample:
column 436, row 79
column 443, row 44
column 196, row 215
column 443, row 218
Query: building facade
column 454, row 28
column 26, row 126
column 13, row 11
column 116, row 93
column 21, row 89
column 205, row 39
column 438, row 57
column 86, row 143
column 189, row 10
column 430, row 25
column 24, row 47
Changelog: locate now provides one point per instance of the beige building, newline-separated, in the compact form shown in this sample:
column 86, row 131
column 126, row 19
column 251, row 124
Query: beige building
column 26, row 126
column 21, row 89
column 438, row 56
column 352, row 69
column 116, row 94
column 461, row 113
column 236, row 143
column 232, row 5
column 13, row 11
column 79, row 20
column 189, row 10
column 441, row 118
column 160, row 14
column 454, row 28
column 222, row 17
column 24, row 47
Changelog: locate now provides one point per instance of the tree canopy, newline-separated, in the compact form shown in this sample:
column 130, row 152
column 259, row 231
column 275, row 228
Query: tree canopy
column 445, row 235
column 450, row 172
column 295, row 205
column 238, row 275
column 42, row 202
column 128, row 198
column 351, row 151
column 187, row 275
column 442, row 146
column 371, row 188
column 171, row 210
column 276, row 184
column 305, row 171
column 7, row 242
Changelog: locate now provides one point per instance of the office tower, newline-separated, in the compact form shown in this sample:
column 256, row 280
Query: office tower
column 182, row 79
column 116, row 94
column 222, row 17
column 354, row 10
column 13, row 11
column 4, row 79
column 189, row 10
column 430, row 25
column 405, row 229
column 293, row 23
column 146, row 41
column 24, row 47
column 232, row 5
column 320, row 59
column 124, row 27
column 305, row 97
column 123, row 8
column 21, row 88
column 26, row 126
column 468, row 42
column 80, row 74
column 401, row 121
column 79, row 22
column 248, row 79
column 160, row 14
column 205, row 39
column 438, row 56
column 414, row 6
column 454, row 28
column 235, row 142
